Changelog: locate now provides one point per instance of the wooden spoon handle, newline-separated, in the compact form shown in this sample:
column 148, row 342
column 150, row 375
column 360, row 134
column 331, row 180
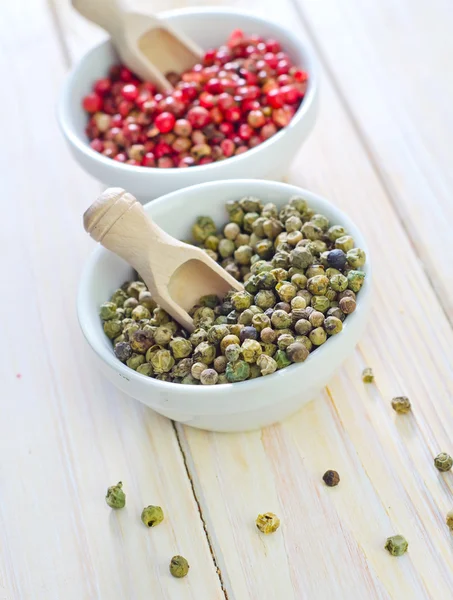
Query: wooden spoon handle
column 117, row 220
column 108, row 14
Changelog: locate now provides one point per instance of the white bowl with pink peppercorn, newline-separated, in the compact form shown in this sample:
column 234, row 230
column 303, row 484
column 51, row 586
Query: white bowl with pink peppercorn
column 248, row 116
column 243, row 405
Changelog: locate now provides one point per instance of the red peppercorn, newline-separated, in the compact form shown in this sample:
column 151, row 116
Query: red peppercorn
column 214, row 86
column 245, row 132
column 97, row 145
column 92, row 103
column 248, row 105
column 166, row 162
column 233, row 114
column 102, row 86
column 256, row 119
column 126, row 74
column 216, row 115
column 114, row 72
column 282, row 116
column 198, row 117
column 129, row 92
column 283, row 67
column 275, row 98
column 268, row 131
column 161, row 149
column 255, row 140
column 225, row 101
column 120, row 157
column 164, row 122
column 291, row 94
column 187, row 161
column 271, row 60
column 132, row 132
column 125, row 107
column 207, row 100
column 240, row 150
column 226, row 128
column 235, row 38
column 209, row 56
column 273, row 46
column 228, row 147
column 205, row 160
column 182, row 127
column 283, row 80
column 149, row 160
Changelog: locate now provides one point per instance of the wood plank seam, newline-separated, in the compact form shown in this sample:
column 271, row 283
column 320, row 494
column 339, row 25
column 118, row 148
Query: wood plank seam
column 200, row 511
column 386, row 185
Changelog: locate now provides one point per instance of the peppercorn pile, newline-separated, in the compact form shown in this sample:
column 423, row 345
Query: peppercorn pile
column 300, row 273
column 241, row 94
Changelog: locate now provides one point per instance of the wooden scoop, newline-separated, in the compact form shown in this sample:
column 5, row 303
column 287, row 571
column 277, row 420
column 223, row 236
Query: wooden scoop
column 145, row 43
column 177, row 274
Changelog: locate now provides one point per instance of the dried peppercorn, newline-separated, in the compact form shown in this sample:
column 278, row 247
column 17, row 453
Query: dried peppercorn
column 267, row 523
column 115, row 497
column 152, row 516
column 331, row 478
column 443, row 462
column 401, row 404
column 179, row 567
column 397, row 545
column 293, row 300
column 367, row 375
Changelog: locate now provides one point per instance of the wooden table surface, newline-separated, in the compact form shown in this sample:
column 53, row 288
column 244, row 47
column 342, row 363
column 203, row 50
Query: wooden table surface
column 382, row 150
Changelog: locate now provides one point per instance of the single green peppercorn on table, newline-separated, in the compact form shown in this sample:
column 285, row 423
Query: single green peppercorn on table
column 381, row 150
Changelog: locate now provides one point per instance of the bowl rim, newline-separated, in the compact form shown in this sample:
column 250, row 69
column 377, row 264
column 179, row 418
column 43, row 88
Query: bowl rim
column 315, row 358
column 65, row 98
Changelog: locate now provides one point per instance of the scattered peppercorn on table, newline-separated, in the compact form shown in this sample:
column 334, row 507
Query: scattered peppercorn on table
column 343, row 500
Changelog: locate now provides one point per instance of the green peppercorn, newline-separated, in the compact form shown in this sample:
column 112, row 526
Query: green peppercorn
column 300, row 257
column 108, row 311
column 227, row 340
column 160, row 316
column 320, row 303
column 401, row 404
column 205, row 353
column 220, row 363
column 204, row 317
column 162, row 361
column 335, row 232
column 249, row 219
column 265, row 299
column 269, row 210
column 332, row 325
column 235, row 212
column 179, row 567
column 311, row 231
column 241, row 300
column 397, row 545
column 237, row 371
column 305, row 294
column 115, row 496
column 286, row 291
column 250, row 350
column 297, row 352
column 203, row 228
column 298, row 203
column 268, row 335
column 344, row 243
column 449, row 520
column 336, row 312
column 189, row 380
column 232, row 352
column 281, row 359
column 216, row 333
column 339, row 282
column 303, row 339
column 242, row 239
column 267, row 523
column 284, row 340
column 226, row 248
column 316, row 319
column 209, row 377
column 112, row 328
column 264, row 249
column 272, row 228
column 250, row 204
column 231, row 231
column 198, row 336
column 318, row 336
column 135, row 288
column 118, row 297
column 367, row 375
column 443, row 462
column 182, row 368
column 152, row 516
column 122, row 351
column 140, row 341
column 180, row 347
column 347, row 305
column 303, row 327
column 355, row 280
column 281, row 319
column 356, row 258
column 266, row 364
column 266, row 280
column 197, row 369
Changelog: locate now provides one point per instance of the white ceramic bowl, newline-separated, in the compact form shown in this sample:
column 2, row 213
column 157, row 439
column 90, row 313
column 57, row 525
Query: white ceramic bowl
column 229, row 407
column 208, row 27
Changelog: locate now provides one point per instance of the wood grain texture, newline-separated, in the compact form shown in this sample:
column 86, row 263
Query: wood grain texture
column 65, row 433
column 331, row 541
column 390, row 61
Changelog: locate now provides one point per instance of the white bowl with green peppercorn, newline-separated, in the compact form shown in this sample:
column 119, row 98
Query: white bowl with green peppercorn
column 320, row 334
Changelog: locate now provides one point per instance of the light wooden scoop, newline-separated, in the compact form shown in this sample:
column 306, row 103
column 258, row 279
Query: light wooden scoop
column 177, row 274
column 145, row 43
